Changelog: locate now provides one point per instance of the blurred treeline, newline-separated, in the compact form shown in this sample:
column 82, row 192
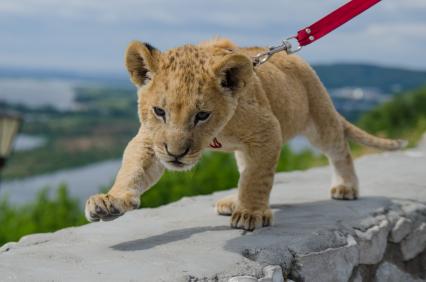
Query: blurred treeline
column 403, row 117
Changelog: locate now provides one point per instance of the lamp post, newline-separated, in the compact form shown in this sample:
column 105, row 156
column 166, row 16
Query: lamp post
column 9, row 127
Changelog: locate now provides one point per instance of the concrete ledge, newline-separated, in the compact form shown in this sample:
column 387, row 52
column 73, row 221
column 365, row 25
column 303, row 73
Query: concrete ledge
column 312, row 238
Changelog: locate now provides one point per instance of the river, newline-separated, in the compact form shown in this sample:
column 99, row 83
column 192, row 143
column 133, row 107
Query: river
column 36, row 93
column 82, row 182
column 26, row 142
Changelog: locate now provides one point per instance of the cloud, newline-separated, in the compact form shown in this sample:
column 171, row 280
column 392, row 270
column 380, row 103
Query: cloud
column 82, row 34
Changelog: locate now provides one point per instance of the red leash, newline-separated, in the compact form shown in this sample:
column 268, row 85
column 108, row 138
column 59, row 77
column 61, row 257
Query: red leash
column 317, row 30
column 333, row 20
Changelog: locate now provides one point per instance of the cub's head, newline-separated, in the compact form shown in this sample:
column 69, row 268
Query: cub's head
column 186, row 96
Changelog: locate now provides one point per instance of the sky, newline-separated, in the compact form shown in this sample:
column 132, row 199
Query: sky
column 91, row 35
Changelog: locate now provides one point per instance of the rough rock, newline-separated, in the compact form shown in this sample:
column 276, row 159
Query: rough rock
column 357, row 277
column 388, row 272
column 272, row 273
column 243, row 279
column 332, row 262
column 401, row 229
column 312, row 238
column 414, row 243
column 372, row 243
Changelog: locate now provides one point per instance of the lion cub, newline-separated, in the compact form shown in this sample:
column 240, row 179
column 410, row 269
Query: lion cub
column 209, row 96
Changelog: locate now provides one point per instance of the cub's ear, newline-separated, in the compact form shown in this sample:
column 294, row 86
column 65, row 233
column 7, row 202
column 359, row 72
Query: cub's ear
column 141, row 62
column 234, row 72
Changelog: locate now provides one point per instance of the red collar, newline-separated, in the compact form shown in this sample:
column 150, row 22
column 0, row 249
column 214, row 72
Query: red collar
column 215, row 144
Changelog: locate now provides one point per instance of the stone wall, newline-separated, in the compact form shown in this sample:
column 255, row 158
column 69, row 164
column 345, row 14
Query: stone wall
column 389, row 246
column 380, row 237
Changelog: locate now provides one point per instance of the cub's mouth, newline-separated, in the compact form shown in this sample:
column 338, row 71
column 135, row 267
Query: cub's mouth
column 176, row 163
column 182, row 164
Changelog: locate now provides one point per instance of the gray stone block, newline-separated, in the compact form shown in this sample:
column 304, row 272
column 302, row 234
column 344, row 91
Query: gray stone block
column 388, row 272
column 414, row 243
column 372, row 243
column 273, row 273
column 243, row 279
column 333, row 264
column 401, row 229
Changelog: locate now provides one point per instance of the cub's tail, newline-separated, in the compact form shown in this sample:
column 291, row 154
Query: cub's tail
column 360, row 136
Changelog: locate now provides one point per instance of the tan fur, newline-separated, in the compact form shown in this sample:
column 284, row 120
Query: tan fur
column 254, row 111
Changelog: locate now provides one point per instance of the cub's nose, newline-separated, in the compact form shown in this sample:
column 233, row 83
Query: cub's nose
column 177, row 155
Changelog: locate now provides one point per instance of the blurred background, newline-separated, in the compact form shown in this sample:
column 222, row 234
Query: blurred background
column 65, row 92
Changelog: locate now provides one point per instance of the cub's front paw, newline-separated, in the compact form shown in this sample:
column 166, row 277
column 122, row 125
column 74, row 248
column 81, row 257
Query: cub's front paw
column 343, row 192
column 249, row 220
column 107, row 207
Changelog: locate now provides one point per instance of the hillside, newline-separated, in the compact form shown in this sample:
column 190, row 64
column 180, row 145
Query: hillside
column 107, row 79
column 387, row 79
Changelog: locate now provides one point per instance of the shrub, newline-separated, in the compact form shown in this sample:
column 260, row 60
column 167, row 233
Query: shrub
column 45, row 214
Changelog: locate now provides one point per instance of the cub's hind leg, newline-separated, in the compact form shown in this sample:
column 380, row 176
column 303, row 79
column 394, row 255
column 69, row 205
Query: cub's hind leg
column 331, row 141
column 344, row 182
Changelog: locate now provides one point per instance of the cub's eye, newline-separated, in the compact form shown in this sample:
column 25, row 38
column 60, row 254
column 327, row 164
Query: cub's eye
column 159, row 112
column 201, row 116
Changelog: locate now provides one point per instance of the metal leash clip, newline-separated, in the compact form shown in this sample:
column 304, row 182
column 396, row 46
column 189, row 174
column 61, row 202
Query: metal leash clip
column 285, row 46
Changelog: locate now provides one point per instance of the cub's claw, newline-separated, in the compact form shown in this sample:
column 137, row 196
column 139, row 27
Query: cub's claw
column 250, row 220
column 107, row 207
